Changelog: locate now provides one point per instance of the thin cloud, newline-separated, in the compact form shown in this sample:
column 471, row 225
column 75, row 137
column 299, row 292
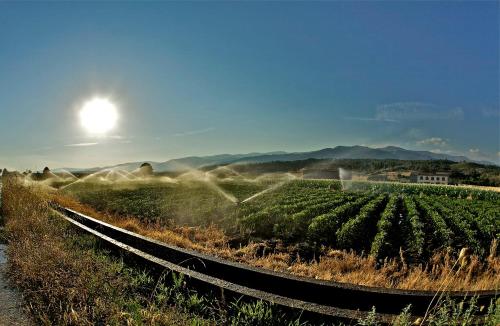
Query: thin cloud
column 414, row 133
column 81, row 144
column 410, row 111
column 381, row 145
column 436, row 141
column 194, row 132
column 478, row 154
column 447, row 151
column 490, row 113
column 370, row 119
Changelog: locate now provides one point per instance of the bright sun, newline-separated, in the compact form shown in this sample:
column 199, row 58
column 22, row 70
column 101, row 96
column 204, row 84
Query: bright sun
column 98, row 115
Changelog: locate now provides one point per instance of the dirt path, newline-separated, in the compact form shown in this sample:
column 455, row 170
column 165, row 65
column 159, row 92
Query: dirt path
column 10, row 302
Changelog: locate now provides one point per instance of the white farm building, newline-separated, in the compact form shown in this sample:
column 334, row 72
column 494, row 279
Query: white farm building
column 434, row 178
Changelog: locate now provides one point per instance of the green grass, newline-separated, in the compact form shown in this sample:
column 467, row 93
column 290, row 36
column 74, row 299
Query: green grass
column 186, row 203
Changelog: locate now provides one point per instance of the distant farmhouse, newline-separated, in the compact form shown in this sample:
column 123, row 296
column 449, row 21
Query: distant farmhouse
column 435, row 178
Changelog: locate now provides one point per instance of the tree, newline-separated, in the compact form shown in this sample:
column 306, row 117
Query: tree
column 46, row 173
column 146, row 169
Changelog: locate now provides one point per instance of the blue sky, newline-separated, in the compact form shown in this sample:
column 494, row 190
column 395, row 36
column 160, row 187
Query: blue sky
column 205, row 78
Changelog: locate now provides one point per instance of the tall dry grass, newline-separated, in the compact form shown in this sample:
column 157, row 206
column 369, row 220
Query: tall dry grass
column 333, row 265
column 63, row 280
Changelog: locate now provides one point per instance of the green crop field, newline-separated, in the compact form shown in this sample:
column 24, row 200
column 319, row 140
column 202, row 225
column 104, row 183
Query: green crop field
column 371, row 218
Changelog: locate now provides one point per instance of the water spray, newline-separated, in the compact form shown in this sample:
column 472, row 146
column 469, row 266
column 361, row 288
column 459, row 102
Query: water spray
column 270, row 188
column 345, row 177
column 207, row 178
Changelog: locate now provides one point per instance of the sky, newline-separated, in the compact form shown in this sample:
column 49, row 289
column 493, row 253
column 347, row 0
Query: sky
column 201, row 78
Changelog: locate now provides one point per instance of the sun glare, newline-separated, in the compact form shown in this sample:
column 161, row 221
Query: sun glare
column 98, row 115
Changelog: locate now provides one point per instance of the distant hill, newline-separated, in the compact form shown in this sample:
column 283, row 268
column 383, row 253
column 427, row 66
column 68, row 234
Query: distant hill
column 179, row 164
column 339, row 152
column 460, row 172
column 355, row 152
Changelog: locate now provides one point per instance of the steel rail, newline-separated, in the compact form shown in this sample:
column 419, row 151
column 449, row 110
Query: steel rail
column 313, row 296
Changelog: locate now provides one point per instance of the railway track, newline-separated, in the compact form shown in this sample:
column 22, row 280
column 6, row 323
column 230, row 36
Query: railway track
column 315, row 299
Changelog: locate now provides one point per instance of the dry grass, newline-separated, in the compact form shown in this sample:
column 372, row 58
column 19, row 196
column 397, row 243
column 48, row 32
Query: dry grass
column 441, row 272
column 62, row 282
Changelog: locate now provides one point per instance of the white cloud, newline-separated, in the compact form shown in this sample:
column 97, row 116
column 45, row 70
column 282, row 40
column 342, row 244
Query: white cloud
column 417, row 111
column 81, row 144
column 474, row 150
column 436, row 141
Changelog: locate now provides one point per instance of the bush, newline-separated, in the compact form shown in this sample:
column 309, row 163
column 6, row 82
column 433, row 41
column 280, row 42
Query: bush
column 381, row 245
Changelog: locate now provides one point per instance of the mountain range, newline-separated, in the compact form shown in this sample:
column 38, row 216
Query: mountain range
column 338, row 152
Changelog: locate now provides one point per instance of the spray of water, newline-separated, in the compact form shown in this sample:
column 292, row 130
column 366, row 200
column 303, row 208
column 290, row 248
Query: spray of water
column 263, row 192
column 288, row 177
column 129, row 175
column 225, row 172
column 30, row 180
column 166, row 179
column 65, row 174
column 113, row 175
column 117, row 175
column 50, row 175
column 209, row 180
column 345, row 179
column 96, row 176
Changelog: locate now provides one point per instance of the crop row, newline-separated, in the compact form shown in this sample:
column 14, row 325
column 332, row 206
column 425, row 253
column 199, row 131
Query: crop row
column 417, row 189
column 380, row 223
